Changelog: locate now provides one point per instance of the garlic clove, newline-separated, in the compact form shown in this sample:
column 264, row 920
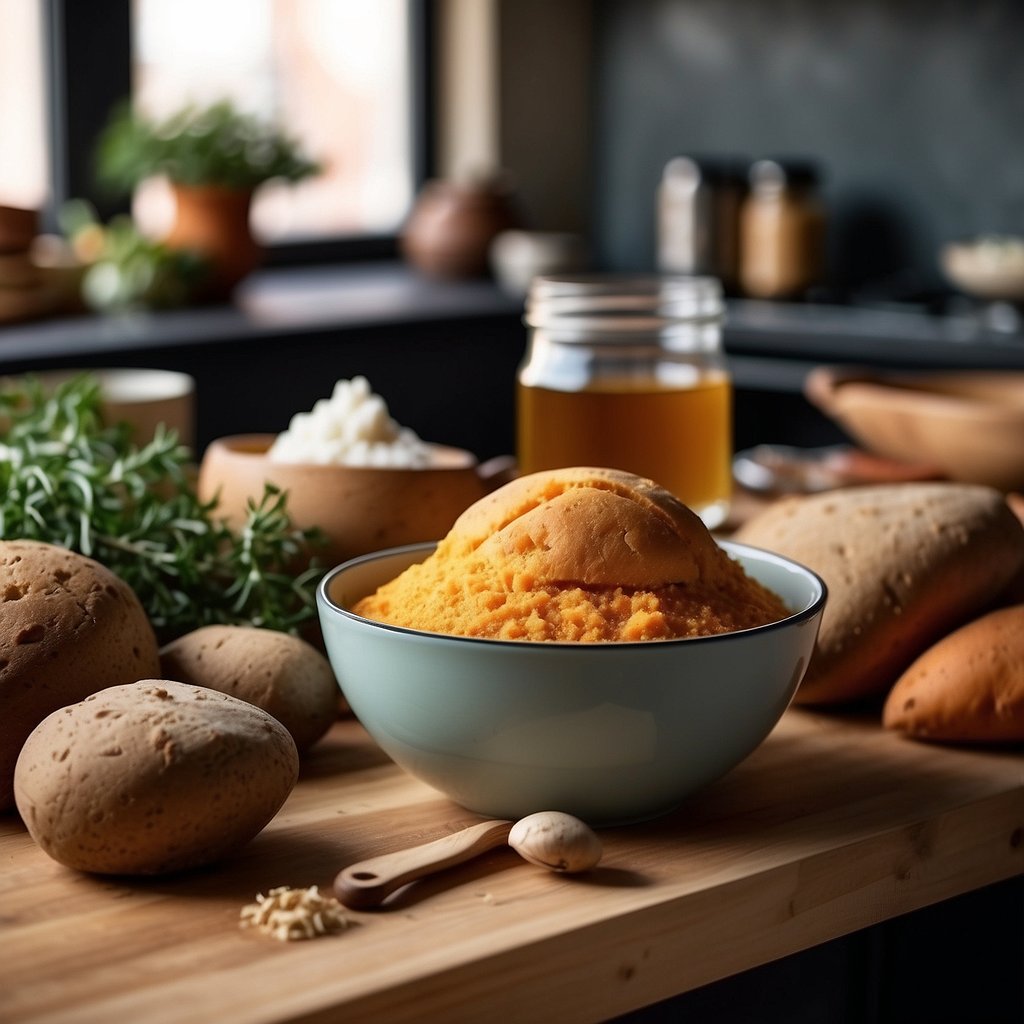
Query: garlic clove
column 556, row 841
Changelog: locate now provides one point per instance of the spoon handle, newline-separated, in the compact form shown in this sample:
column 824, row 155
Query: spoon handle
column 369, row 882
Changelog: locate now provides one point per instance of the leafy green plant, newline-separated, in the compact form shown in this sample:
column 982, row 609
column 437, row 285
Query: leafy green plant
column 127, row 270
column 216, row 145
column 68, row 479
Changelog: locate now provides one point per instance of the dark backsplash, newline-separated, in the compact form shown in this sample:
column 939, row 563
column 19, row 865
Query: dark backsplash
column 914, row 109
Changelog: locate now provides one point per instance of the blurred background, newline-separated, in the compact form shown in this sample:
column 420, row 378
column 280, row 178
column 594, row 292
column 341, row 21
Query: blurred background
column 911, row 109
column 632, row 132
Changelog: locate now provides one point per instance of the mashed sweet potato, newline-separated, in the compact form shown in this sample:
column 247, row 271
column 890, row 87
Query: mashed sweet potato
column 579, row 555
column 476, row 600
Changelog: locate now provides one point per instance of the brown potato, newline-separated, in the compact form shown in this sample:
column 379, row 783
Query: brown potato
column 152, row 777
column 285, row 676
column 68, row 627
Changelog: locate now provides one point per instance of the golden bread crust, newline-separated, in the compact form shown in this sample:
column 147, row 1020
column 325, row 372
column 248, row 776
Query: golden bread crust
column 597, row 527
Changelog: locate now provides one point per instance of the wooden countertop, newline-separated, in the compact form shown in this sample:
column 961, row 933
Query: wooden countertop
column 831, row 826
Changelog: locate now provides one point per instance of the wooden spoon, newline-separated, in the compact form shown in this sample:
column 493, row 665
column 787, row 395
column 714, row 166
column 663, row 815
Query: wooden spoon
column 550, row 839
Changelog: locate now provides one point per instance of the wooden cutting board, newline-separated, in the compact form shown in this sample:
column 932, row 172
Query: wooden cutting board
column 831, row 826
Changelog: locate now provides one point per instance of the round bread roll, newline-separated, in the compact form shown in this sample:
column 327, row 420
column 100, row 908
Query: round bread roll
column 599, row 527
column 285, row 676
column 152, row 777
column 969, row 687
column 903, row 563
column 68, row 627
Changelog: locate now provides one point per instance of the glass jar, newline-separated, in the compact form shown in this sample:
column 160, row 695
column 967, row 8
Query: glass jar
column 629, row 373
column 698, row 218
column 782, row 230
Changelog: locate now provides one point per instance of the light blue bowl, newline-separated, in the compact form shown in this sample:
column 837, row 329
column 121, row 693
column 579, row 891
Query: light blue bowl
column 611, row 732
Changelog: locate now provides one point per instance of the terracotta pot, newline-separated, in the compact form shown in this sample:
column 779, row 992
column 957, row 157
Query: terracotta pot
column 452, row 225
column 214, row 221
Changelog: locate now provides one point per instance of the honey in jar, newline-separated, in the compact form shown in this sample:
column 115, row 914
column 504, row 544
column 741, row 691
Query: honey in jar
column 628, row 373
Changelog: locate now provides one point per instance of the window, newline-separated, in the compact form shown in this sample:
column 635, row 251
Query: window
column 24, row 170
column 335, row 72
column 347, row 78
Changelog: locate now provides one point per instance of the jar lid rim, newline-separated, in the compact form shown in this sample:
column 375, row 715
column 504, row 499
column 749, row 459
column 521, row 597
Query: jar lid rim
column 611, row 283
column 604, row 299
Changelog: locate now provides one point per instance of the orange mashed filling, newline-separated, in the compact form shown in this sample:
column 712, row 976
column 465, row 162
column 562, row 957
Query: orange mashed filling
column 469, row 596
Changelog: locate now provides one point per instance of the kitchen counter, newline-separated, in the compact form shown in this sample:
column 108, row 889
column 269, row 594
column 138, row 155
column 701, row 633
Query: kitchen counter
column 831, row 826
column 301, row 302
column 290, row 334
column 466, row 338
column 357, row 296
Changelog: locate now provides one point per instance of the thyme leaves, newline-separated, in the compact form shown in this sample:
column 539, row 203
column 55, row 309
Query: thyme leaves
column 66, row 478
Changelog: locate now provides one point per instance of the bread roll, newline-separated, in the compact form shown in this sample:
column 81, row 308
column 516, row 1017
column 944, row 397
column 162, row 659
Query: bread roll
column 68, row 627
column 969, row 687
column 599, row 527
column 904, row 564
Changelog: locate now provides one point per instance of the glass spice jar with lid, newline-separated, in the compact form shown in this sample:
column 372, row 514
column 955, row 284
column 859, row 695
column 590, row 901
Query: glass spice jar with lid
column 782, row 230
column 698, row 212
column 629, row 373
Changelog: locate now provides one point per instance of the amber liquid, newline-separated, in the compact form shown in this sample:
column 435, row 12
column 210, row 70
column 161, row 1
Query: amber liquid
column 680, row 438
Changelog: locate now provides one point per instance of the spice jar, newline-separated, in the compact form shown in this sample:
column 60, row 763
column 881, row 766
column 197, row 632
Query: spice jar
column 782, row 228
column 698, row 212
column 628, row 373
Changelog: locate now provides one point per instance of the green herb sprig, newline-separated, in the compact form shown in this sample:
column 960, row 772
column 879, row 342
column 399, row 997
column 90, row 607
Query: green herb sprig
column 66, row 478
column 126, row 269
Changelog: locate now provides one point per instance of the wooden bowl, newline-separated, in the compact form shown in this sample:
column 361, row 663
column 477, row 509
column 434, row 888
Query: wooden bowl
column 967, row 424
column 359, row 509
column 18, row 227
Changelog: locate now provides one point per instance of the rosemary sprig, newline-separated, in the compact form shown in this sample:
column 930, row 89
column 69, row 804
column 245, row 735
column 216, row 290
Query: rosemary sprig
column 68, row 479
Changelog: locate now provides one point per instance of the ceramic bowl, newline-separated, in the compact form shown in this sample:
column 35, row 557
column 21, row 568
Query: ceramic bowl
column 141, row 397
column 517, row 257
column 991, row 269
column 966, row 424
column 612, row 733
column 357, row 508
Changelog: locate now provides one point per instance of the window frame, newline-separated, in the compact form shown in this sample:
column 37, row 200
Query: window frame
column 88, row 62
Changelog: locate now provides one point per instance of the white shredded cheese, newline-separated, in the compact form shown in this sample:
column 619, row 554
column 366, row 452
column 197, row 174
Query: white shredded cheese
column 351, row 428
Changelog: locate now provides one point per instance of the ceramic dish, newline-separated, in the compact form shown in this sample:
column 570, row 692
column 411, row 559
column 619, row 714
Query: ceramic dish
column 611, row 732
column 357, row 508
column 989, row 268
column 141, row 397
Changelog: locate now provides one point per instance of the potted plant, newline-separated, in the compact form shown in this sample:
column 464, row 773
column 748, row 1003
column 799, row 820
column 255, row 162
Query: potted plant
column 120, row 269
column 214, row 159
